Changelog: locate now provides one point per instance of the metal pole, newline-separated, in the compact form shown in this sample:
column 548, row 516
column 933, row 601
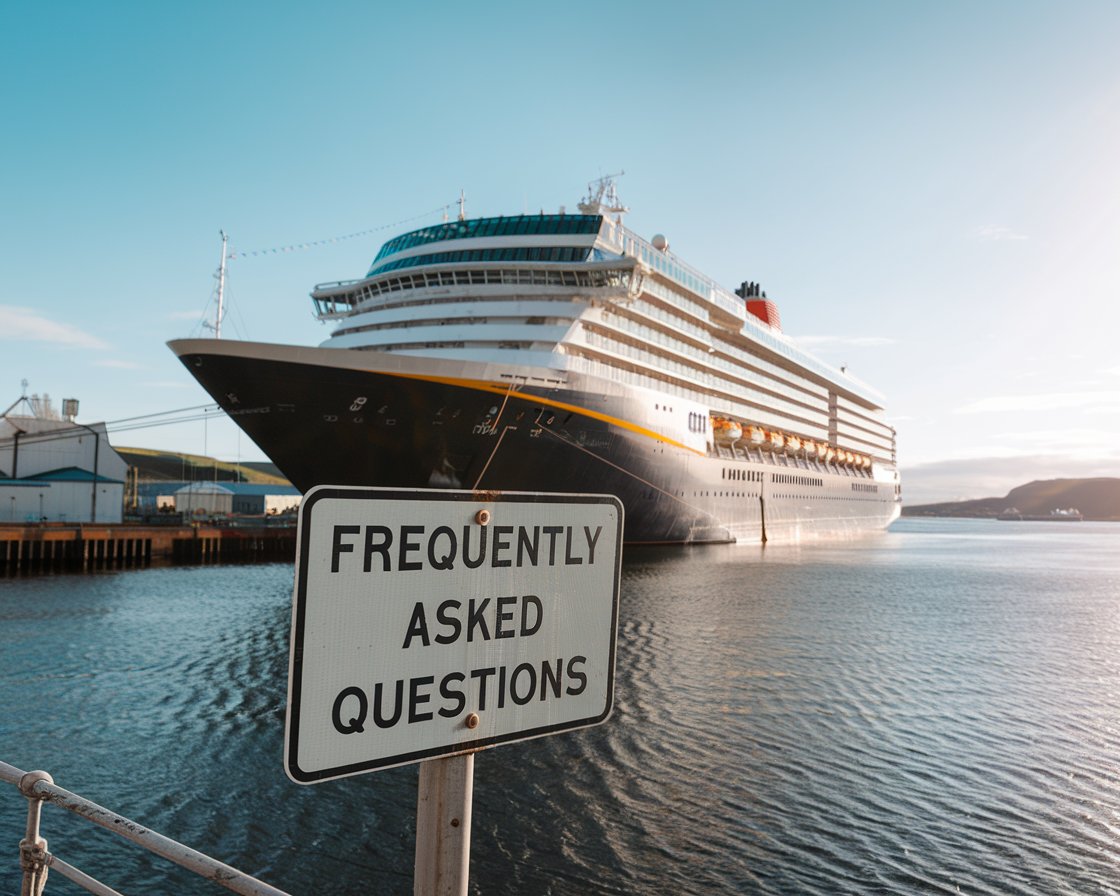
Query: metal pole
column 443, row 826
column 93, row 497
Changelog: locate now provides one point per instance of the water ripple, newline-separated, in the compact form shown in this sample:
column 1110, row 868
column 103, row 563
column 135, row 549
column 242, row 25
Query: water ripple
column 932, row 711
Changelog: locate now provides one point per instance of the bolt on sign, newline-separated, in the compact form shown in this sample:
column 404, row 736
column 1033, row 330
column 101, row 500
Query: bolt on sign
column 432, row 622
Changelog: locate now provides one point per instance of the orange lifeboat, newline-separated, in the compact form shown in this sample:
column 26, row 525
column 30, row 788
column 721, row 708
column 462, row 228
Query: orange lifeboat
column 793, row 444
column 810, row 448
column 756, row 435
column 776, row 441
column 726, row 430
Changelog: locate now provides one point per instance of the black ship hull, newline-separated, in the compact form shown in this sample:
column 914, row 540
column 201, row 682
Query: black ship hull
column 326, row 416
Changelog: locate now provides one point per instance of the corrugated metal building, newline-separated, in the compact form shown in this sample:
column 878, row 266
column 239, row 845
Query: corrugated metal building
column 57, row 470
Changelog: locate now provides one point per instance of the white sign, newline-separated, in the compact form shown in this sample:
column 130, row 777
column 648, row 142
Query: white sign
column 426, row 623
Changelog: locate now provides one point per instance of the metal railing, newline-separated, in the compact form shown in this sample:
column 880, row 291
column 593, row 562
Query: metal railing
column 36, row 860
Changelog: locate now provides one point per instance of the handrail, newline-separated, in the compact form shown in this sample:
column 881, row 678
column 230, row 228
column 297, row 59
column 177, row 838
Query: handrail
column 39, row 787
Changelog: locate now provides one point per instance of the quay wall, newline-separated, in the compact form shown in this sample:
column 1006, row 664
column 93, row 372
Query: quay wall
column 61, row 547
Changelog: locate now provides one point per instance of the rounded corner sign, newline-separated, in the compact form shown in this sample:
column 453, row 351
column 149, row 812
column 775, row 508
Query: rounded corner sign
column 433, row 622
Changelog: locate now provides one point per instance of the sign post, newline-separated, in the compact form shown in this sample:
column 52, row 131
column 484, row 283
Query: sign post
column 434, row 623
column 443, row 826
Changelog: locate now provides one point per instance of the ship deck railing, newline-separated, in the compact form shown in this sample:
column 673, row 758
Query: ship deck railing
column 35, row 859
column 734, row 451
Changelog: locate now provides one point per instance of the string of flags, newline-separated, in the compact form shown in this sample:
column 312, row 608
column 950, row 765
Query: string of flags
column 299, row 247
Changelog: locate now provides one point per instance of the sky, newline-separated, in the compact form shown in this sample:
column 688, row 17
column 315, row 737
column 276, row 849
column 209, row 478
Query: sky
column 929, row 191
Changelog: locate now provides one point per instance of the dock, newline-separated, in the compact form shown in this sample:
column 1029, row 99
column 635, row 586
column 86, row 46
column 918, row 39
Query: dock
column 87, row 547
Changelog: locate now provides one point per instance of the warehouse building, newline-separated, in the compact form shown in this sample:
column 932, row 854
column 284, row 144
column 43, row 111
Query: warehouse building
column 53, row 469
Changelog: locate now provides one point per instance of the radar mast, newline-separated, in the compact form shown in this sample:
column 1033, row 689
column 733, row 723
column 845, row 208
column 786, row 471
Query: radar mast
column 602, row 198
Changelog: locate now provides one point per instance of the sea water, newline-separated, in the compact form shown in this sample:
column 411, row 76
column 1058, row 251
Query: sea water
column 933, row 709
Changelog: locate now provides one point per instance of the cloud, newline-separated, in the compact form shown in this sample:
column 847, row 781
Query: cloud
column 17, row 324
column 1099, row 401
column 995, row 233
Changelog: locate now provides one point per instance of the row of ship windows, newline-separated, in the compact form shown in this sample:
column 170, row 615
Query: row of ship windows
column 794, row 496
column 794, row 415
column 705, row 361
column 515, row 225
column 433, row 279
column 754, row 362
column 612, row 371
column 505, row 253
column 849, row 414
column 742, row 475
column 760, row 333
column 665, row 264
column 846, row 498
column 787, row 479
column 507, row 344
column 452, row 321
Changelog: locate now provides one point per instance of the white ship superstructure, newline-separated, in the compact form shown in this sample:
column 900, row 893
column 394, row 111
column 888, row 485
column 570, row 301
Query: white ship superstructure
column 565, row 353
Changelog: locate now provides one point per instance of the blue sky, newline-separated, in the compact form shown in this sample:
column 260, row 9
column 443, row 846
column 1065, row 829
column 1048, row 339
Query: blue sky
column 931, row 192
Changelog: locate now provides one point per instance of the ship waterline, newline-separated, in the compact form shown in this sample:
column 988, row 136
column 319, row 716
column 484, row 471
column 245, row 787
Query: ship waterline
column 564, row 353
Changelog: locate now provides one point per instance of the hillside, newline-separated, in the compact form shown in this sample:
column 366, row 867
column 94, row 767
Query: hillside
column 1097, row 499
column 167, row 466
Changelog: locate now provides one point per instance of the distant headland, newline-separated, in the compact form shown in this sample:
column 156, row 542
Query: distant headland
column 1096, row 499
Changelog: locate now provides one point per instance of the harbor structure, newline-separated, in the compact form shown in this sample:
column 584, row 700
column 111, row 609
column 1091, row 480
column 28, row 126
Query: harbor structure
column 54, row 469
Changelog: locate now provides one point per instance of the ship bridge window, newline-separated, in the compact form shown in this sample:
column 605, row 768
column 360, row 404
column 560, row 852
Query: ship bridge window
column 500, row 226
column 504, row 253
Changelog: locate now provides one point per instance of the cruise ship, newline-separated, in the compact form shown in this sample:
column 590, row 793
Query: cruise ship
column 565, row 353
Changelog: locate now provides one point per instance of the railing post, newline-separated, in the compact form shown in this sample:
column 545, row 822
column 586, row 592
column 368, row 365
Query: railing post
column 33, row 855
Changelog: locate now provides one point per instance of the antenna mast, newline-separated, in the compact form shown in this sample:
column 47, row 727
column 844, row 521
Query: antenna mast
column 221, row 288
column 221, row 275
column 602, row 198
